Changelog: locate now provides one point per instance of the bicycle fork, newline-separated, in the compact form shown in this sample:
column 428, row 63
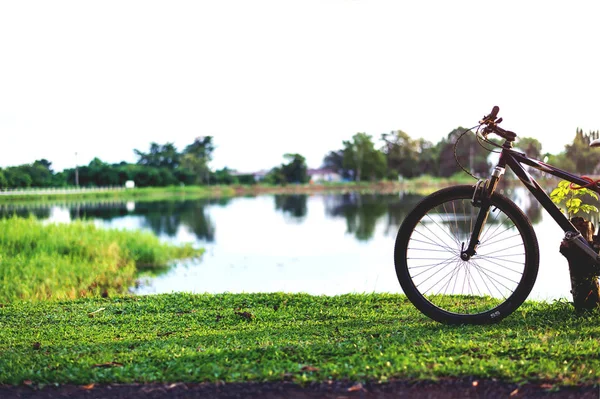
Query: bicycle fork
column 481, row 199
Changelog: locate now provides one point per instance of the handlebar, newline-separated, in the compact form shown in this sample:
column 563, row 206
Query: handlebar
column 492, row 122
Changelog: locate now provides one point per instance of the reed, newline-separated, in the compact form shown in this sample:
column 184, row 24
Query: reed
column 60, row 261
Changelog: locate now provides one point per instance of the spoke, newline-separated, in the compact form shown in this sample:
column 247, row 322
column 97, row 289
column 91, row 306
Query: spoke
column 424, row 292
column 444, row 230
column 502, row 258
column 504, row 239
column 450, row 279
column 465, row 279
column 499, row 275
column 490, row 225
column 468, row 279
column 454, row 250
column 483, row 279
column 456, row 279
column 437, row 243
column 427, row 249
column 506, row 267
column 474, row 283
column 446, row 262
column 492, row 280
column 500, row 233
column 422, row 266
column 456, row 231
column 504, row 249
column 470, row 219
column 449, row 222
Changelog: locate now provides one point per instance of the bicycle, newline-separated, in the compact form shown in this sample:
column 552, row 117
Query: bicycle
column 467, row 254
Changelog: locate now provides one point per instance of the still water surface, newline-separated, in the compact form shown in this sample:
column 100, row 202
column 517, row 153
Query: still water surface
column 319, row 244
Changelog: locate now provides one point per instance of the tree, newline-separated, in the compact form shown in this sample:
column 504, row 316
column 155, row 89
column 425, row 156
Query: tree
column 275, row 176
column 160, row 156
column 295, row 171
column 428, row 157
column 40, row 172
column 362, row 159
column 471, row 155
column 196, row 157
column 223, row 176
column 101, row 174
column 17, row 177
column 403, row 153
column 583, row 156
column 334, row 160
column 530, row 146
column 3, row 180
column 561, row 161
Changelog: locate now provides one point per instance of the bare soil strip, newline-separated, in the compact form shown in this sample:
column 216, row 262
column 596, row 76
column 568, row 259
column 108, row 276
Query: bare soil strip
column 445, row 389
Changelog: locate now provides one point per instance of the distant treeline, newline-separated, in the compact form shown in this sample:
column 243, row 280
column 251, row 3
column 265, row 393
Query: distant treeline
column 361, row 158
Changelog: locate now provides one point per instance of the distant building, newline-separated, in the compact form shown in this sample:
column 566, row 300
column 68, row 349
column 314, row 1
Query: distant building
column 323, row 175
column 257, row 176
column 260, row 175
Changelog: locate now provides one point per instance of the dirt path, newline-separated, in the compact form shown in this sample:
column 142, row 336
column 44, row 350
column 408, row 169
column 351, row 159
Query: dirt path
column 337, row 390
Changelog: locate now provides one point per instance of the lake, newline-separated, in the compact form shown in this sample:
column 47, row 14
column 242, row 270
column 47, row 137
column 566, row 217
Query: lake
column 318, row 244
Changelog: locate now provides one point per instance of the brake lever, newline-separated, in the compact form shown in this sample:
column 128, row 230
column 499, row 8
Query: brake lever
column 486, row 131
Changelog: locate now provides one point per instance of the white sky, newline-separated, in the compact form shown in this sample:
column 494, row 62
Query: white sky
column 101, row 78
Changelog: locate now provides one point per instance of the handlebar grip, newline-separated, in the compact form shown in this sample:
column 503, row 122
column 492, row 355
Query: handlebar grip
column 492, row 116
column 494, row 113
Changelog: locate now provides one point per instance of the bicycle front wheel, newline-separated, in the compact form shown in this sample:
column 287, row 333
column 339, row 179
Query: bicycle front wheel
column 484, row 289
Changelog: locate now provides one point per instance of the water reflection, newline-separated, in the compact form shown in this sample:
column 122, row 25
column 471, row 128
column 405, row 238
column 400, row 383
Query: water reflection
column 8, row 211
column 293, row 205
column 166, row 217
column 361, row 212
column 163, row 218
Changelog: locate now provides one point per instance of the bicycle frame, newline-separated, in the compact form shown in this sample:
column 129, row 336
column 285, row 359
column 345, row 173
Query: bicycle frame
column 515, row 161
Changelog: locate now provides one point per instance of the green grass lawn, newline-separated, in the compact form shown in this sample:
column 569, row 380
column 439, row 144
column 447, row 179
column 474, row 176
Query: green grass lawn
column 273, row 337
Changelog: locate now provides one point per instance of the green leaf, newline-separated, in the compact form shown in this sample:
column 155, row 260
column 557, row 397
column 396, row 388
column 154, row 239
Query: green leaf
column 557, row 194
column 588, row 208
column 573, row 202
column 571, row 199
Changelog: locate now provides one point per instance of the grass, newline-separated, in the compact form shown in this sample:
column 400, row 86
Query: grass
column 298, row 337
column 423, row 183
column 42, row 261
column 144, row 193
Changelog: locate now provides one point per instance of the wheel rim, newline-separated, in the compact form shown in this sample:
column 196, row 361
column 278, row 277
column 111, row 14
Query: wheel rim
column 470, row 287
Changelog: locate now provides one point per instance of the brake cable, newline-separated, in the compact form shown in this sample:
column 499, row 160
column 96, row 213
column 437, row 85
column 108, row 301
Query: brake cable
column 478, row 142
column 591, row 183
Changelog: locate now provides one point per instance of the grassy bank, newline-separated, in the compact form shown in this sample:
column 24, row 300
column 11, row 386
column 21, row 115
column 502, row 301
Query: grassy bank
column 41, row 261
column 272, row 337
column 423, row 184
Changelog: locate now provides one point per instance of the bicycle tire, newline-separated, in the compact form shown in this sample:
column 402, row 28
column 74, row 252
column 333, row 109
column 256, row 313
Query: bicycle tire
column 430, row 224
